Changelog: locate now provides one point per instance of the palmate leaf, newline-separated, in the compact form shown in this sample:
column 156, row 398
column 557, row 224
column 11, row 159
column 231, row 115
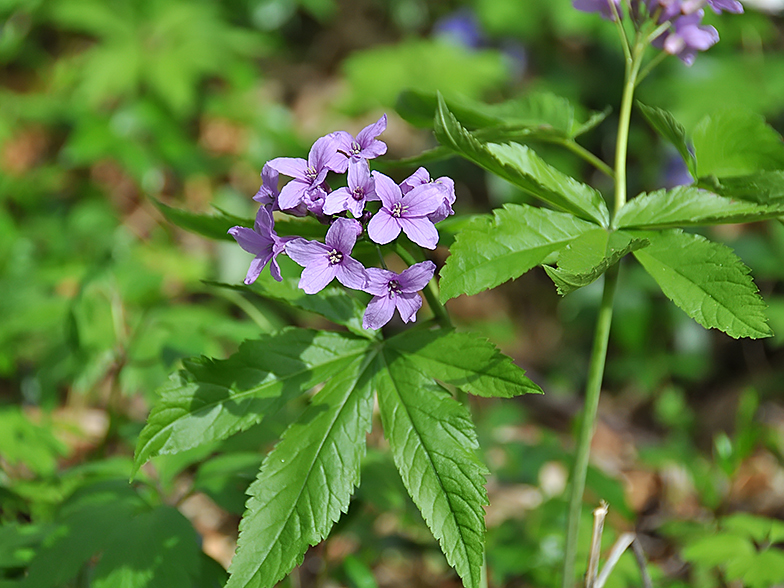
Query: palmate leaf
column 766, row 187
column 521, row 166
column 433, row 443
column 707, row 280
column 672, row 130
column 736, row 142
column 590, row 255
column 464, row 360
column 305, row 482
column 492, row 250
column 212, row 399
column 690, row 206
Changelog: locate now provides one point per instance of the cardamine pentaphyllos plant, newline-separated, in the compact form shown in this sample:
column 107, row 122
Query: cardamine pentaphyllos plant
column 306, row 481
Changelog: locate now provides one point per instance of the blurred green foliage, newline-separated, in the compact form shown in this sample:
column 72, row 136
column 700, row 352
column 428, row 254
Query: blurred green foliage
column 106, row 105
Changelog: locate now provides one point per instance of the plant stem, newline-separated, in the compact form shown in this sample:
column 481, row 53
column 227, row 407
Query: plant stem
column 430, row 292
column 602, row 334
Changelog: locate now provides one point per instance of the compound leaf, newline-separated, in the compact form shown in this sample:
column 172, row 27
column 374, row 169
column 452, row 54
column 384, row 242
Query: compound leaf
column 434, row 445
column 491, row 250
column 690, row 206
column 305, row 482
column 707, row 280
column 521, row 166
column 464, row 360
column 212, row 399
column 669, row 128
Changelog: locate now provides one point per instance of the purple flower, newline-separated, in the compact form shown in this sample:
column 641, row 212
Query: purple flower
column 325, row 261
column 391, row 291
column 444, row 183
column 361, row 188
column 407, row 213
column 687, row 37
column 307, row 175
column 365, row 146
column 717, row 6
column 263, row 242
column 602, row 6
column 268, row 193
column 461, row 27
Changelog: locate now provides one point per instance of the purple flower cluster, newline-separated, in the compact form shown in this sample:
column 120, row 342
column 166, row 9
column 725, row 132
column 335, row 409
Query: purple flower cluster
column 412, row 207
column 685, row 35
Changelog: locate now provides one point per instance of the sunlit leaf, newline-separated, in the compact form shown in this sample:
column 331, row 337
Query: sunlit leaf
column 305, row 483
column 434, row 446
column 669, row 128
column 706, row 280
column 492, row 250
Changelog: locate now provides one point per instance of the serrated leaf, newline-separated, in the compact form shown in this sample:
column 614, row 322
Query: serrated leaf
column 734, row 143
column 492, row 250
column 212, row 399
column 212, row 226
column 521, row 166
column 707, row 280
column 434, row 445
column 333, row 303
column 669, row 128
column 305, row 482
column 590, row 255
column 761, row 187
column 464, row 360
column 689, row 206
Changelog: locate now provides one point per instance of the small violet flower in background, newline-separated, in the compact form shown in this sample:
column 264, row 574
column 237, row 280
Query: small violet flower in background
column 445, row 184
column 601, row 6
column 407, row 213
column 391, row 291
column 325, row 261
column 307, row 176
column 361, row 188
column 687, row 37
column 263, row 242
column 365, row 146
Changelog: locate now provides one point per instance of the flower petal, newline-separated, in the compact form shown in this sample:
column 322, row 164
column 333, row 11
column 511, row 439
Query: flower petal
column 408, row 305
column 378, row 281
column 418, row 178
column 420, row 230
column 365, row 136
column 324, row 154
column 337, row 201
column 416, row 277
column 251, row 241
column 423, row 200
column 316, row 277
column 254, row 271
column 383, row 227
column 378, row 312
column 307, row 253
column 291, row 194
column 293, row 167
column 351, row 273
column 387, row 190
column 342, row 235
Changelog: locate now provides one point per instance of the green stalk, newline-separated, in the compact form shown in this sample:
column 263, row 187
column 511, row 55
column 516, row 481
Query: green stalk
column 601, row 339
column 430, row 292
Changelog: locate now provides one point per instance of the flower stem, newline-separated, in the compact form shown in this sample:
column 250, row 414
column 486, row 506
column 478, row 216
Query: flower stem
column 602, row 334
column 430, row 292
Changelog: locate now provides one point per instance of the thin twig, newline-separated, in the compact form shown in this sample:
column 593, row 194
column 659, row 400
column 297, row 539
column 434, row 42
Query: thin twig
column 599, row 514
column 621, row 545
column 640, row 556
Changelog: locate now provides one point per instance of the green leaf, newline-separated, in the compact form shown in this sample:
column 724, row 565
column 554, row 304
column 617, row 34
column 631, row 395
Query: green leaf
column 669, row 128
column 765, row 187
column 760, row 529
column 734, row 143
column 765, row 569
column 305, row 482
column 212, row 226
column 706, row 280
column 492, row 250
column 521, row 166
column 589, row 256
column 464, row 360
column 716, row 550
column 434, row 445
column 689, row 206
column 212, row 399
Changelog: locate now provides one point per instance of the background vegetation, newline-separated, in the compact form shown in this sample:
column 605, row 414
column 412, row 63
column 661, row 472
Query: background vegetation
column 111, row 110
